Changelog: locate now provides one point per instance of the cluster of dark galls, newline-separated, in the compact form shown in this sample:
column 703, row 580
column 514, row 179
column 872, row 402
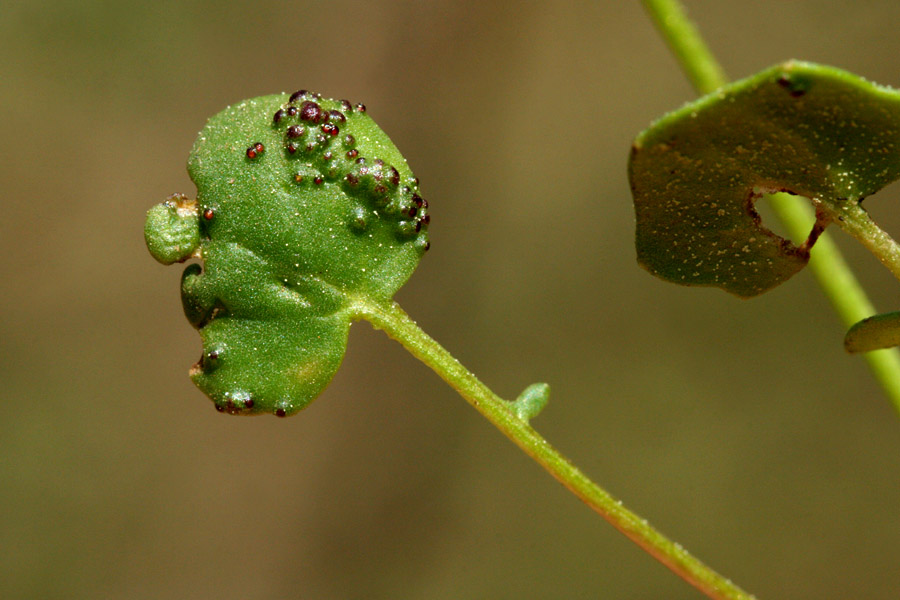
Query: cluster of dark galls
column 312, row 134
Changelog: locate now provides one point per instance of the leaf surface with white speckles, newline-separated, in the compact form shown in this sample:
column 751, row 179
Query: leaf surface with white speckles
column 696, row 173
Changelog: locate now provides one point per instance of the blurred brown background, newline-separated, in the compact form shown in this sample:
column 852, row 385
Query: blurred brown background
column 741, row 429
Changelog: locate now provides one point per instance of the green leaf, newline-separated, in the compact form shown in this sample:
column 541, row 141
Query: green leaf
column 532, row 401
column 305, row 209
column 800, row 128
column 171, row 230
column 874, row 333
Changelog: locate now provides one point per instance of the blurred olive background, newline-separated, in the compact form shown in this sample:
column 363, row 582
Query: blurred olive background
column 740, row 428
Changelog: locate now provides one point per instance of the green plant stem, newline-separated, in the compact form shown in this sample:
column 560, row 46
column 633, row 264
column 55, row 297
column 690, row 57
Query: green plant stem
column 843, row 289
column 685, row 41
column 834, row 276
column 397, row 324
column 853, row 219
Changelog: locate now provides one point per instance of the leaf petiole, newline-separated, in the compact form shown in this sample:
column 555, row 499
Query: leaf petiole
column 855, row 220
column 390, row 318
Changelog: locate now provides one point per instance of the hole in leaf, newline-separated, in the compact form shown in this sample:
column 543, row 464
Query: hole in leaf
column 795, row 232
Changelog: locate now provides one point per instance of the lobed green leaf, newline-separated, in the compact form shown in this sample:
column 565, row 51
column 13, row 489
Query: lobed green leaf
column 304, row 208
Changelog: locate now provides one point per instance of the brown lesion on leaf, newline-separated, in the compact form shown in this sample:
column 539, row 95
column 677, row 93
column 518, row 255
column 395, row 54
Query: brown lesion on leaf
column 818, row 229
column 789, row 247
